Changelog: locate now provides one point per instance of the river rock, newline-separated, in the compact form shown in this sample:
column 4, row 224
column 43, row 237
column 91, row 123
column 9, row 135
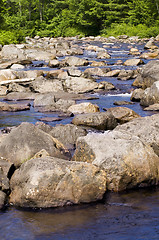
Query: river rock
column 119, row 103
column 146, row 128
column 50, row 182
column 148, row 75
column 54, row 63
column 41, row 85
column 133, row 62
column 15, row 87
column 75, row 61
column 100, row 121
column 150, row 95
column 153, row 107
column 12, row 52
column 137, row 95
column 107, row 85
column 127, row 161
column 19, row 96
column 85, row 107
column 113, row 73
column 94, row 71
column 29, row 140
column 80, row 85
column 98, row 64
column 3, row 90
column 150, row 45
column 17, row 66
column 67, row 134
column 74, row 72
column 3, row 198
column 7, row 74
column 13, row 107
column 122, row 114
column 103, row 55
column 134, row 51
column 127, row 74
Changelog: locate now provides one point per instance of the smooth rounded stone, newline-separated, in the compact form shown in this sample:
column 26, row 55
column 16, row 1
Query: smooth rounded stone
column 75, row 61
column 137, row 95
column 113, row 73
column 94, row 71
column 41, row 85
column 119, row 103
column 85, row 107
column 98, row 64
column 99, row 120
column 67, row 134
column 7, row 74
column 149, row 44
column 150, row 95
column 15, row 87
column 3, row 197
column 107, row 85
column 127, row 161
column 17, row 66
column 13, row 107
column 146, row 128
column 127, row 74
column 19, row 96
column 148, row 75
column 3, row 90
column 154, row 107
column 12, row 52
column 80, row 85
column 50, row 182
column 133, row 62
column 54, row 63
column 150, row 55
column 29, row 140
column 74, row 72
column 122, row 114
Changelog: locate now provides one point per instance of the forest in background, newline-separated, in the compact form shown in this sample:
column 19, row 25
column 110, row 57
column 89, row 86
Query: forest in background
column 55, row 18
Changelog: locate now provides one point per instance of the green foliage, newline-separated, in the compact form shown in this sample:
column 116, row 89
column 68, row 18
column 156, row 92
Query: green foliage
column 56, row 18
column 8, row 37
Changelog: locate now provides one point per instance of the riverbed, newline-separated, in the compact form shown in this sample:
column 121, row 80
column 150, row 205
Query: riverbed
column 130, row 215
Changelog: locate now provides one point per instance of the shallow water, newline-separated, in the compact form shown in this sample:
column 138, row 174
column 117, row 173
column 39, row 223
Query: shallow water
column 130, row 215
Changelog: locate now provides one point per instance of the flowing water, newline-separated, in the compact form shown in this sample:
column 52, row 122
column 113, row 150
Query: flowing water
column 131, row 215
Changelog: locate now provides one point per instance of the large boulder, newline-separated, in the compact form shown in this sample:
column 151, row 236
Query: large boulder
column 50, row 182
column 150, row 95
column 12, row 52
column 23, row 142
column 41, row 85
column 146, row 128
column 98, row 120
column 127, row 161
column 148, row 75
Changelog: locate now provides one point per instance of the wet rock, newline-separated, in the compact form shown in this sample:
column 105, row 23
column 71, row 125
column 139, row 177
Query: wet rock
column 3, row 198
column 137, row 95
column 127, row 161
column 100, row 121
column 51, row 182
column 103, row 55
column 150, row 95
column 85, row 107
column 133, row 62
column 29, row 140
column 113, row 73
column 13, row 107
column 118, row 103
column 75, row 61
column 50, row 119
column 134, row 51
column 150, row 55
column 122, row 114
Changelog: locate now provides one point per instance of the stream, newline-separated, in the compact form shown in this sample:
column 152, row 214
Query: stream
column 130, row 215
